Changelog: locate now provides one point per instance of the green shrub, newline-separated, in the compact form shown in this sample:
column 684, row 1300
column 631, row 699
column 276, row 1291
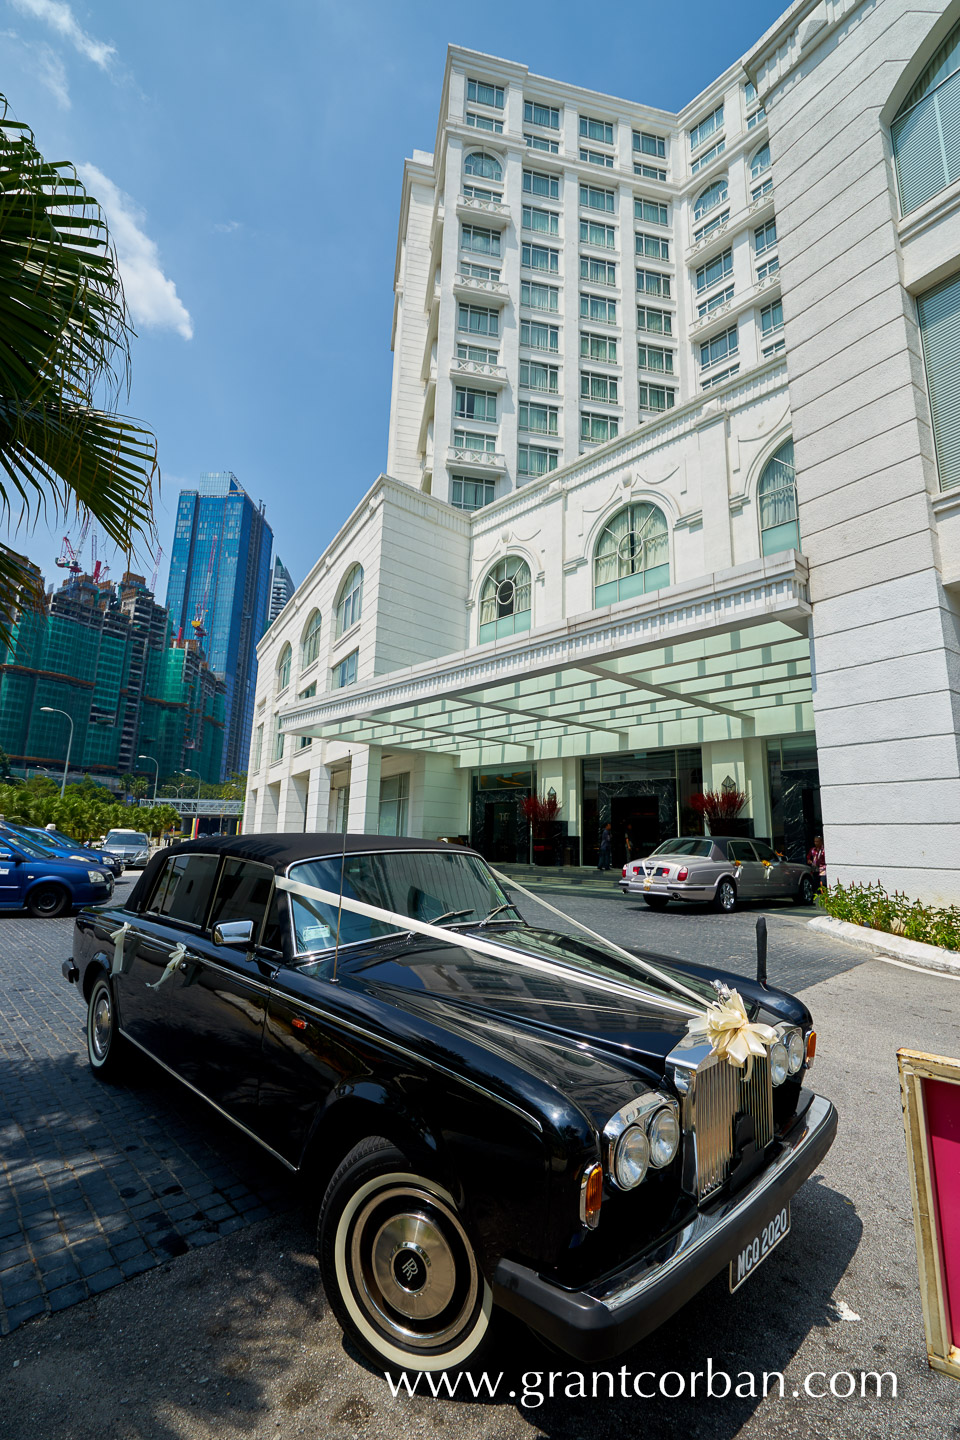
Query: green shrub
column 870, row 905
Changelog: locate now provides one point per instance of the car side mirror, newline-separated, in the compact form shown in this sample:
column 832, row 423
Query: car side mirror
column 234, row 932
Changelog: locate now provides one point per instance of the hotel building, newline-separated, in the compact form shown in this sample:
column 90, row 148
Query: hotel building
column 670, row 501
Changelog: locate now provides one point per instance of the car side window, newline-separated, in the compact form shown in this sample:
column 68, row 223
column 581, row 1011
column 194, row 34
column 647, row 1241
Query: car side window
column 243, row 893
column 764, row 852
column 6, row 853
column 184, row 888
column 738, row 850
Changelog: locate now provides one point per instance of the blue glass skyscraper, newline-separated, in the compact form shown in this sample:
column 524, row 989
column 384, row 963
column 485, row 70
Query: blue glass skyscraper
column 218, row 593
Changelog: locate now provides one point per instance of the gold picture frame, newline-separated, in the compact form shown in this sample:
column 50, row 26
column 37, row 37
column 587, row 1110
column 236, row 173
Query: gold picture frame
column 915, row 1066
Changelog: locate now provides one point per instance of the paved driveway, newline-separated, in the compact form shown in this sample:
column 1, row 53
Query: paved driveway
column 231, row 1338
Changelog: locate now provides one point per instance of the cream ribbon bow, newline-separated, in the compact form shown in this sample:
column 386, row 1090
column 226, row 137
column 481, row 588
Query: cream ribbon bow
column 732, row 1035
column 176, row 955
column 118, row 937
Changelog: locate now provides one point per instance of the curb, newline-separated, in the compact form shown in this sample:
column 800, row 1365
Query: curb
column 909, row 952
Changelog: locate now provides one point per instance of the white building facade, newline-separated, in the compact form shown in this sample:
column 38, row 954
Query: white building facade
column 626, row 505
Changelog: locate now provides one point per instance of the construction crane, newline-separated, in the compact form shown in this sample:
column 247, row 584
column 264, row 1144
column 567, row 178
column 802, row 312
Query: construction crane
column 69, row 558
column 156, row 571
column 197, row 623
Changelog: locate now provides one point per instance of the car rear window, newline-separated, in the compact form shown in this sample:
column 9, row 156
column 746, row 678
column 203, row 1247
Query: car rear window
column 686, row 845
column 183, row 890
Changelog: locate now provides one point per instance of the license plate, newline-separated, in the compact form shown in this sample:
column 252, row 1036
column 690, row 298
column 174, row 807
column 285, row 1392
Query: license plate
column 756, row 1250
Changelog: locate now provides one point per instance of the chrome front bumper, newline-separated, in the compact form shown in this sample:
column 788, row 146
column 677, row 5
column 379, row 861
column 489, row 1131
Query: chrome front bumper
column 614, row 1313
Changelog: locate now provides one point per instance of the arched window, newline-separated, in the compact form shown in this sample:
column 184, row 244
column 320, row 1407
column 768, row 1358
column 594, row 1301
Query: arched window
column 760, row 161
column 351, row 599
column 708, row 199
column 505, row 599
column 777, row 498
column 484, row 167
column 925, row 134
column 283, row 668
column 632, row 555
column 310, row 644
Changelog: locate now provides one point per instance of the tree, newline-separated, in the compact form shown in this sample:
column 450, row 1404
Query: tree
column 64, row 360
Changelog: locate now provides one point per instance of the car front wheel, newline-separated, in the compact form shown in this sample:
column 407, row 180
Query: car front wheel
column 105, row 1045
column 806, row 893
column 47, row 902
column 397, row 1264
column 726, row 897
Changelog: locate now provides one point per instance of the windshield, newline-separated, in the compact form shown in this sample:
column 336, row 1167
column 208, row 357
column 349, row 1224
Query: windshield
column 433, row 885
column 29, row 846
column 126, row 837
column 686, row 845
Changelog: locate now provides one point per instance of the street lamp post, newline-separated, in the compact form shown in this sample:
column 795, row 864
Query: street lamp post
column 156, row 778
column 199, row 781
column 52, row 710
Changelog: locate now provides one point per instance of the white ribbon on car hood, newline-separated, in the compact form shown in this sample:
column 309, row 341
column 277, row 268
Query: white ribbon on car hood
column 732, row 1035
column 502, row 952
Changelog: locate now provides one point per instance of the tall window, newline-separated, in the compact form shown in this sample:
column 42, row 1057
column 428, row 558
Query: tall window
column 351, row 599
column 706, row 128
column 632, row 555
column 257, row 747
column 505, row 599
column 469, row 494
column 394, row 794
column 939, row 314
column 760, row 161
column 481, row 93
column 283, row 668
column 345, row 673
column 777, row 498
column 484, row 167
column 708, row 199
column 310, row 644
column 926, row 130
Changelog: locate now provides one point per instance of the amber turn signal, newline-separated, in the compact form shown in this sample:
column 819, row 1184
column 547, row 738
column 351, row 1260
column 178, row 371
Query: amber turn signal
column 591, row 1194
column 811, row 1048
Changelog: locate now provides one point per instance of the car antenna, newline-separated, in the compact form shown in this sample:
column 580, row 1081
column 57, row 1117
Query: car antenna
column 343, row 862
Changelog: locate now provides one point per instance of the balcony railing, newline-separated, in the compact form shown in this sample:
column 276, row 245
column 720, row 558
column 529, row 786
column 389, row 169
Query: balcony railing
column 480, row 370
column 486, row 460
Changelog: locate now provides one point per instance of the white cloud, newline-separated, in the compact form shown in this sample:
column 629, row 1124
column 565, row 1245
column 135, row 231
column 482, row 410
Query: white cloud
column 52, row 73
column 61, row 19
column 42, row 61
column 151, row 297
column 227, row 227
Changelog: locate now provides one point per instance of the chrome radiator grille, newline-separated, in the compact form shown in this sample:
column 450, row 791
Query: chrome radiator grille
column 715, row 1097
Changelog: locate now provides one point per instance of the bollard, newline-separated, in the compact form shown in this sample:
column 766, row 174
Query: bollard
column 762, row 952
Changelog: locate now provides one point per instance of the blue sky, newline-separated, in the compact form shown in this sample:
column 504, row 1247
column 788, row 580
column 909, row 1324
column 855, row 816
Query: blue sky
column 249, row 159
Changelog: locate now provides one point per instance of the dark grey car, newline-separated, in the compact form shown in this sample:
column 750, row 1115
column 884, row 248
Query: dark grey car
column 719, row 870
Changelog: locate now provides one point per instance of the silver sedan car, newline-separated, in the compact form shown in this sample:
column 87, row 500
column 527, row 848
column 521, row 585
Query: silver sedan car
column 718, row 870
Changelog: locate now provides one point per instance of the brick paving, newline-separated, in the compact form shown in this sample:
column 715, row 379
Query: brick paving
column 101, row 1182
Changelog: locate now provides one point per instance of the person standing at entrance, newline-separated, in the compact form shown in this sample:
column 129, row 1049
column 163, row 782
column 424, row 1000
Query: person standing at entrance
column 606, row 846
column 628, row 843
column 817, row 857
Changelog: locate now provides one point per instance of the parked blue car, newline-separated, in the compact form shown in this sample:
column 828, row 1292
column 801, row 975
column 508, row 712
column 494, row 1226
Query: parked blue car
column 69, row 849
column 35, row 878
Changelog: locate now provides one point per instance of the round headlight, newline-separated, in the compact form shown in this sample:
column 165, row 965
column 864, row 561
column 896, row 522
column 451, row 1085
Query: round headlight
column 663, row 1133
column 631, row 1158
column 779, row 1063
column 795, row 1051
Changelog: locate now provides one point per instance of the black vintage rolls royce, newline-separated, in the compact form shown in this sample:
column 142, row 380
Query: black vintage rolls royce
column 491, row 1115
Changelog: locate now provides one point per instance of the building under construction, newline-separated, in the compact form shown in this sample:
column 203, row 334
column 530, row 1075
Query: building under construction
column 105, row 654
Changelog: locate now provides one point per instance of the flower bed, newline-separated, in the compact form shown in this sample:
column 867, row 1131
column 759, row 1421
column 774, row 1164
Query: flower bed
column 870, row 905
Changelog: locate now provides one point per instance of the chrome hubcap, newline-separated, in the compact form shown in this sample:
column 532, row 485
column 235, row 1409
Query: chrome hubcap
column 727, row 897
column 413, row 1267
column 100, row 1025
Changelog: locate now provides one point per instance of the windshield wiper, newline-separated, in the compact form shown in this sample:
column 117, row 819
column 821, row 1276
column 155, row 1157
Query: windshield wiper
column 497, row 909
column 452, row 915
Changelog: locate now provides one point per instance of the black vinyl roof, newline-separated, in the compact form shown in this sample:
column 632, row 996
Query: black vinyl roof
column 278, row 850
column 283, row 849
